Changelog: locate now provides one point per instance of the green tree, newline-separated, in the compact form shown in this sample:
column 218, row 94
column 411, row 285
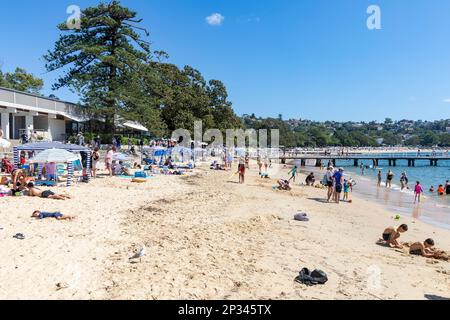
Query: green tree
column 21, row 80
column 101, row 59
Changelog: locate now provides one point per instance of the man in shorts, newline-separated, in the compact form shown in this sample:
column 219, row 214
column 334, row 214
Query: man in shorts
column 47, row 194
column 338, row 184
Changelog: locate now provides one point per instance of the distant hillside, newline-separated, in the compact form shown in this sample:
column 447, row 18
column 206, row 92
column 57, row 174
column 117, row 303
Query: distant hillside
column 306, row 133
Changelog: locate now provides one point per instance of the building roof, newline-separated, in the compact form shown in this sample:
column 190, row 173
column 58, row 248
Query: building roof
column 40, row 146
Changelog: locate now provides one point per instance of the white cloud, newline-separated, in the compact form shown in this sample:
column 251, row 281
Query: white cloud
column 446, row 100
column 216, row 19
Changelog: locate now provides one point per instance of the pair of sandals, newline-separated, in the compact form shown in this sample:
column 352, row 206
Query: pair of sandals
column 19, row 236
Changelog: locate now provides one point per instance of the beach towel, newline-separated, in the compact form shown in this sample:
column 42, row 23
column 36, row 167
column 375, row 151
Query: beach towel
column 311, row 278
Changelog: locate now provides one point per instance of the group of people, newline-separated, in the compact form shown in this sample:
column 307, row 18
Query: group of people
column 418, row 189
column 21, row 183
column 337, row 184
column 391, row 236
column 442, row 189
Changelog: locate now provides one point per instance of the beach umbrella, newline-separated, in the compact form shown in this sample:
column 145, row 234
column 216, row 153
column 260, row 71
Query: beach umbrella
column 54, row 155
column 4, row 143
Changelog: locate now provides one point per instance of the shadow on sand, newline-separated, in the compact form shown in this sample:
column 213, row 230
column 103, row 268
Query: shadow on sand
column 435, row 297
column 321, row 200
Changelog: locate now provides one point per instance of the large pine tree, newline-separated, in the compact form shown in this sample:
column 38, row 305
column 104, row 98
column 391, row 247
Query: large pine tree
column 101, row 59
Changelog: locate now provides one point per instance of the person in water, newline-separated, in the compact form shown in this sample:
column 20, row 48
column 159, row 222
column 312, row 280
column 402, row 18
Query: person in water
column 404, row 181
column 391, row 235
column 389, row 178
column 418, row 190
column 441, row 190
column 424, row 249
column 56, row 215
column 379, row 178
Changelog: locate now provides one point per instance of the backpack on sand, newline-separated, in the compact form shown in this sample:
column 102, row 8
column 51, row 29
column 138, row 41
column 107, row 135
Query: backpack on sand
column 311, row 278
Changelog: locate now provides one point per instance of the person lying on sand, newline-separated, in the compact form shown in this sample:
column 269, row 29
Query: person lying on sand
column 57, row 215
column 391, row 235
column 284, row 185
column 47, row 194
column 424, row 249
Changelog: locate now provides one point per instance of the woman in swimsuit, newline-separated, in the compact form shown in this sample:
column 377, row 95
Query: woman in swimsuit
column 390, row 176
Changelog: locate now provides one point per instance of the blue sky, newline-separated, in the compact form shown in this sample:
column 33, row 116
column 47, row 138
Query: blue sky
column 310, row 59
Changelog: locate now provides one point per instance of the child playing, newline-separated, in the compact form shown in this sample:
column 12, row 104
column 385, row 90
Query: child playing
column 57, row 215
column 441, row 190
column 391, row 235
column 424, row 249
column 346, row 190
column 418, row 192
column 294, row 173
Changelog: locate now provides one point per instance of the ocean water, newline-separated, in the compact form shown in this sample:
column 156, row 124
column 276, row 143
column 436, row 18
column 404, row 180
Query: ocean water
column 433, row 209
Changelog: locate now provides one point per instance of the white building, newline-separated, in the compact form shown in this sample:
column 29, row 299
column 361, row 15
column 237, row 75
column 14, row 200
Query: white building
column 52, row 119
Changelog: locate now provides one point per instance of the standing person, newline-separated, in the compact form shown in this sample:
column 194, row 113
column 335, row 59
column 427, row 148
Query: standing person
column 260, row 164
column 266, row 164
column 338, row 184
column 241, row 170
column 95, row 159
column 404, row 180
column 129, row 144
column 119, row 143
column 389, row 178
column 417, row 192
column 109, row 160
column 293, row 173
column 97, row 141
column 329, row 182
column 346, row 190
column 247, row 161
column 363, row 168
column 379, row 178
column 447, row 188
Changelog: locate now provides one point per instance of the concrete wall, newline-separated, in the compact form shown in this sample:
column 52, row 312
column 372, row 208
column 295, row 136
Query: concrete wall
column 5, row 124
column 56, row 129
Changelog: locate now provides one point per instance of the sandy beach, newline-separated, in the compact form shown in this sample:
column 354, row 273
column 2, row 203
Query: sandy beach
column 209, row 238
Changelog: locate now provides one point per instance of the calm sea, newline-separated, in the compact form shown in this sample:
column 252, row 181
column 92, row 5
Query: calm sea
column 434, row 209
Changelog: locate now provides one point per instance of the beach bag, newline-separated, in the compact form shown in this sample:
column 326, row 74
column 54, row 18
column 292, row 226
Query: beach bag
column 311, row 278
column 140, row 175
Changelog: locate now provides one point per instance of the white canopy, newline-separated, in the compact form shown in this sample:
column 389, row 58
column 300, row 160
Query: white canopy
column 54, row 155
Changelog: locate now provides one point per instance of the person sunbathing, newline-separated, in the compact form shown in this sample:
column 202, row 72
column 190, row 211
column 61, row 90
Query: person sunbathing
column 47, row 194
column 391, row 236
column 424, row 249
column 57, row 215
